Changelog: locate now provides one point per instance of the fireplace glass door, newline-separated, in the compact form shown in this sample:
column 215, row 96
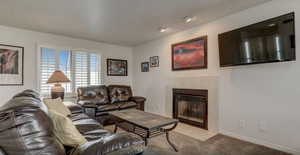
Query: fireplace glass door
column 191, row 109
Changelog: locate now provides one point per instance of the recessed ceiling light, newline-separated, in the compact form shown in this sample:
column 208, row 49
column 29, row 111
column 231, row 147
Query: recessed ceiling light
column 163, row 29
column 188, row 19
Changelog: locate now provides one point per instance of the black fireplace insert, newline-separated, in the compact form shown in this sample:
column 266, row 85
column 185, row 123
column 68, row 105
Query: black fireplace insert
column 190, row 106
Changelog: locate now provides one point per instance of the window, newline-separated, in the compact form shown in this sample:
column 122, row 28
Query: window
column 86, row 69
column 82, row 68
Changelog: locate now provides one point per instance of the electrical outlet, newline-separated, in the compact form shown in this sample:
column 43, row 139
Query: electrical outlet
column 242, row 124
column 262, row 126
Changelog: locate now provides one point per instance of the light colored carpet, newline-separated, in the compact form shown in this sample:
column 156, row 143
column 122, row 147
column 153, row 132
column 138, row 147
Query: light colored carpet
column 217, row 145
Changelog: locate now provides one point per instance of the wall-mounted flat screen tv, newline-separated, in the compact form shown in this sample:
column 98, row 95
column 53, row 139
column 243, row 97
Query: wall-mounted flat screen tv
column 268, row 41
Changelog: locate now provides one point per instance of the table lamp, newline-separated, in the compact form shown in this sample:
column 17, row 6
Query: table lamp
column 57, row 78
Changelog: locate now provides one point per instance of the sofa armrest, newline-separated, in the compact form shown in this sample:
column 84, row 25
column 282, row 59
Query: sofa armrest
column 89, row 108
column 74, row 108
column 115, row 144
column 84, row 103
column 90, row 103
column 138, row 99
column 2, row 152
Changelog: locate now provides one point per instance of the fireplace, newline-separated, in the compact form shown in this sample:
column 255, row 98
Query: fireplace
column 190, row 106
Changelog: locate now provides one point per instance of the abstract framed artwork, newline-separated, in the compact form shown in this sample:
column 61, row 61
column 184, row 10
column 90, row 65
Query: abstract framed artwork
column 145, row 66
column 11, row 65
column 116, row 67
column 154, row 61
column 191, row 54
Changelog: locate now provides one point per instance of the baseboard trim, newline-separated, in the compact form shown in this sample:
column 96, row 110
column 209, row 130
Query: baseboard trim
column 260, row 142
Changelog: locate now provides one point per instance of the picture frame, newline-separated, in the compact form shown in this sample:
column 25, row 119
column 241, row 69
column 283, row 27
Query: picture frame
column 154, row 61
column 190, row 54
column 145, row 66
column 11, row 65
column 116, row 67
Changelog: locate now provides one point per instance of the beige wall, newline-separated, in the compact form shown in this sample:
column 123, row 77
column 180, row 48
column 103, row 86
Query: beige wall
column 264, row 96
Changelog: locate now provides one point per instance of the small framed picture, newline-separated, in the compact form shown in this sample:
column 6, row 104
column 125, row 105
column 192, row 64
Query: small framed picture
column 116, row 67
column 154, row 61
column 11, row 65
column 145, row 66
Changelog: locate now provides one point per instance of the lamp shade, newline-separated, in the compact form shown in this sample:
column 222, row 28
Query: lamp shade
column 58, row 77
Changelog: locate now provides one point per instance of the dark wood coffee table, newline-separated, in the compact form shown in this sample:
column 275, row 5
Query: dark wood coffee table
column 143, row 124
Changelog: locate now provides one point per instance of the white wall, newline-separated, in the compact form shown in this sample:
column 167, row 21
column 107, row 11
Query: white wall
column 30, row 40
column 265, row 95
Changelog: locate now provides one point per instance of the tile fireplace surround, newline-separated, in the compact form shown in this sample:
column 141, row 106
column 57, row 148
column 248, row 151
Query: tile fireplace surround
column 209, row 83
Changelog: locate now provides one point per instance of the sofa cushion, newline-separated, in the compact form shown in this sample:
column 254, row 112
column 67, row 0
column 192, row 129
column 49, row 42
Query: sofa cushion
column 28, row 93
column 105, row 119
column 107, row 107
column 96, row 134
column 118, row 93
column 27, row 130
column 25, row 98
column 91, row 102
column 89, row 128
column 112, row 144
column 84, row 124
column 127, row 105
column 74, row 108
column 78, row 116
column 98, row 93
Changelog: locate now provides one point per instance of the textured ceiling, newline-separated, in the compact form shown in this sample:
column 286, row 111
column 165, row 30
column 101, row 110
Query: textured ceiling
column 123, row 22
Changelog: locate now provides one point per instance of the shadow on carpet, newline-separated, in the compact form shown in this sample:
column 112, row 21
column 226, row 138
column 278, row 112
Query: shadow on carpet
column 217, row 145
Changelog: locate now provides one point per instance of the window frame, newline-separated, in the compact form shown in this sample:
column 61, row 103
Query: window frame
column 61, row 48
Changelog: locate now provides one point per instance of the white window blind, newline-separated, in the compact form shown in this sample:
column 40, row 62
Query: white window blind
column 47, row 67
column 82, row 68
column 65, row 66
column 95, row 69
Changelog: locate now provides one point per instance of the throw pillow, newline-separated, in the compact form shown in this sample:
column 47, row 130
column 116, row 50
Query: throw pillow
column 65, row 131
column 58, row 106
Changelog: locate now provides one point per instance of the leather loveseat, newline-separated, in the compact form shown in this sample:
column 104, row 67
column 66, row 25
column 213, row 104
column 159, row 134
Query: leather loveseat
column 98, row 101
column 26, row 129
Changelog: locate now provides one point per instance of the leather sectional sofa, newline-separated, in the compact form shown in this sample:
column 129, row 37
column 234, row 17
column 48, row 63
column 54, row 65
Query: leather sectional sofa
column 98, row 101
column 26, row 129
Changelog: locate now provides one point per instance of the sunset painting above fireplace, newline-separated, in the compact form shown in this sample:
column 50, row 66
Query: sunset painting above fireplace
column 191, row 54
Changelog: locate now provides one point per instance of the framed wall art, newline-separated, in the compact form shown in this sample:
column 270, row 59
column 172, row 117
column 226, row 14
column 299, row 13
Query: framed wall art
column 11, row 65
column 145, row 66
column 116, row 67
column 191, row 54
column 154, row 61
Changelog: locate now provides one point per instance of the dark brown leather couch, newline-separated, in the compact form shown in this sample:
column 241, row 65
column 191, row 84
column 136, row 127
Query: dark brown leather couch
column 98, row 101
column 26, row 129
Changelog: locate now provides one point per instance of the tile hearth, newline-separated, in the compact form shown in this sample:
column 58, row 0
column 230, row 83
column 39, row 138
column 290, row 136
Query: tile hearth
column 195, row 132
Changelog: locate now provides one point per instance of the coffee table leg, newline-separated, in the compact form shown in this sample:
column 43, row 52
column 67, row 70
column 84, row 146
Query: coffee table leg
column 146, row 138
column 168, row 139
column 167, row 135
column 146, row 141
column 116, row 128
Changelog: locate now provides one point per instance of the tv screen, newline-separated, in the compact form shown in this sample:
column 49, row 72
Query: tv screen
column 268, row 41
